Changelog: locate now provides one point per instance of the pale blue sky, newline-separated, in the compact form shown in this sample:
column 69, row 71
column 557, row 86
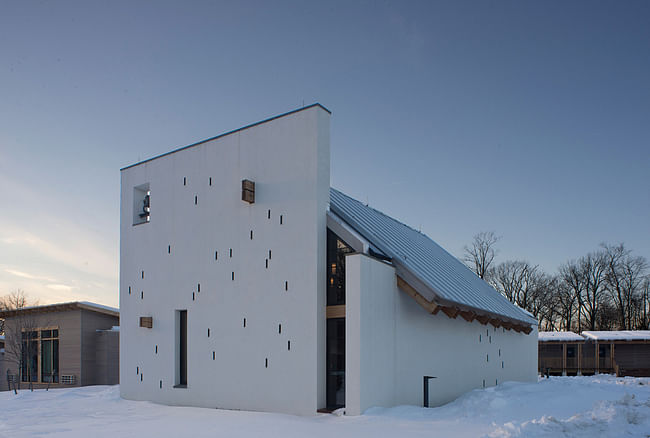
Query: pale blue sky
column 528, row 118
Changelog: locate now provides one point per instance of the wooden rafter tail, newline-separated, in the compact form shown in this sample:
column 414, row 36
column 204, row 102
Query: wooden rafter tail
column 429, row 306
column 483, row 319
column 468, row 316
column 528, row 329
column 507, row 325
column 496, row 323
column 517, row 328
column 451, row 312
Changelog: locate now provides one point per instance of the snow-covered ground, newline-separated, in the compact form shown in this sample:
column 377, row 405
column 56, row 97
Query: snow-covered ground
column 600, row 406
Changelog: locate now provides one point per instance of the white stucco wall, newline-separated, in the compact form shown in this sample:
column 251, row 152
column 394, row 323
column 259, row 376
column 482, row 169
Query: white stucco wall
column 392, row 343
column 288, row 158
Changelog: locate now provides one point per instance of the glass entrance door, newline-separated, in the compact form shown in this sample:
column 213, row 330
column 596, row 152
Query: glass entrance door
column 335, row 363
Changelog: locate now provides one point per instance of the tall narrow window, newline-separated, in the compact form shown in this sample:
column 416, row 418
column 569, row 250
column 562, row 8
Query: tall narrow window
column 181, row 348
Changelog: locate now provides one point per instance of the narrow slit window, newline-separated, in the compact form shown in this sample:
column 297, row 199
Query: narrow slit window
column 251, row 234
column 141, row 377
column 279, row 328
column 214, row 355
column 169, row 249
column 269, row 254
column 137, row 370
column 232, row 275
column 142, row 275
column 184, row 181
column 487, row 357
column 161, row 384
column 181, row 348
column 129, row 290
column 216, row 255
column 268, row 214
column 210, row 183
column 196, row 200
column 266, row 362
column 289, row 345
column 286, row 285
column 198, row 287
column 142, row 295
column 267, row 263
column 156, row 349
column 193, row 296
column 280, row 219
column 230, row 252
column 208, row 333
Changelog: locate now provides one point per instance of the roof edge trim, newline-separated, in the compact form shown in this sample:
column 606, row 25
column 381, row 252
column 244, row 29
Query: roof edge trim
column 227, row 133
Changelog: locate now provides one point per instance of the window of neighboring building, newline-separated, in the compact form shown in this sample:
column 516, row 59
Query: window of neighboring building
column 40, row 355
column 50, row 356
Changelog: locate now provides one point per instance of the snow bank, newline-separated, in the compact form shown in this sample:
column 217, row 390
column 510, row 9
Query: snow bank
column 598, row 406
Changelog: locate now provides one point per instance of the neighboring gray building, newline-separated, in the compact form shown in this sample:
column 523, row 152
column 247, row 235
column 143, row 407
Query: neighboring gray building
column 67, row 344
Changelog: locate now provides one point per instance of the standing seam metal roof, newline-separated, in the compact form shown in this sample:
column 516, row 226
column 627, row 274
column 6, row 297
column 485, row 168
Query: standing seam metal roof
column 444, row 274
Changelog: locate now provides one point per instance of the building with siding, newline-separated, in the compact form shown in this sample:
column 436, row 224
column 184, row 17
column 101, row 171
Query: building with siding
column 624, row 353
column 57, row 345
column 246, row 282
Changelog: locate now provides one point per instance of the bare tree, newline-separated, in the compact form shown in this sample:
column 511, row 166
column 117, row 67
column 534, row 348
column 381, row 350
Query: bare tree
column 21, row 336
column 14, row 300
column 593, row 270
column 570, row 294
column 480, row 255
column 625, row 283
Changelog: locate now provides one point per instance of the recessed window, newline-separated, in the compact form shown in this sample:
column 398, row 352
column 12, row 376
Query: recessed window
column 181, row 348
column 40, row 348
column 141, row 204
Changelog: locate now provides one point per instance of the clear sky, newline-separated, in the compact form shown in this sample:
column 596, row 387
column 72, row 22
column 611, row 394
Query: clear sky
column 531, row 119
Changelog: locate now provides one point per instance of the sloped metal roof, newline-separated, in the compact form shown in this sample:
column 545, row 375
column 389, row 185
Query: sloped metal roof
column 413, row 253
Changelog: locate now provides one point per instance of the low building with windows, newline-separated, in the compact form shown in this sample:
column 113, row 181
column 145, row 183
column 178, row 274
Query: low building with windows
column 620, row 352
column 246, row 282
column 67, row 344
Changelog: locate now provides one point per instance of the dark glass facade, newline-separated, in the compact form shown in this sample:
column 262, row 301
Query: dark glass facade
column 336, row 251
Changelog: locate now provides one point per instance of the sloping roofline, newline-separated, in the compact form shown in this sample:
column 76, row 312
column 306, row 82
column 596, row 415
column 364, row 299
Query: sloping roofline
column 61, row 307
column 228, row 133
column 441, row 279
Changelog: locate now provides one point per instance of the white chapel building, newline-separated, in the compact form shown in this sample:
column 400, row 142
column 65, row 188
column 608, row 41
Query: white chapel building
column 246, row 282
